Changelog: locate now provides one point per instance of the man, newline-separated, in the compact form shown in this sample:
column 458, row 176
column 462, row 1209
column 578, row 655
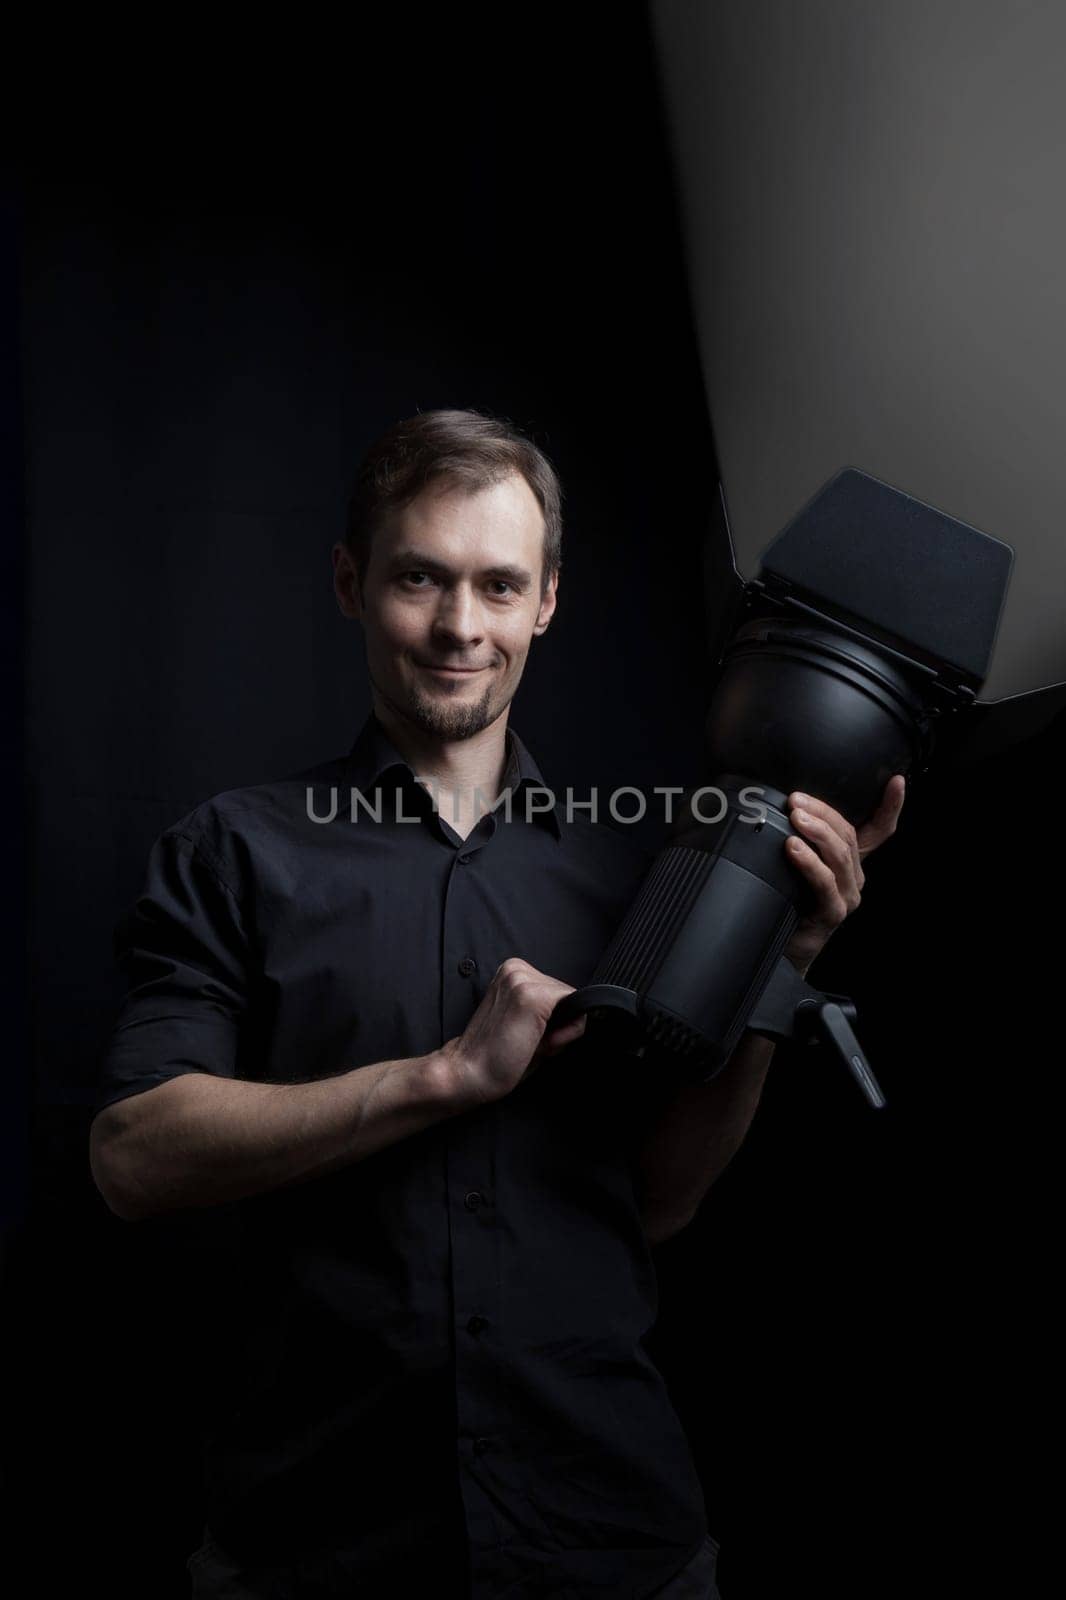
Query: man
column 337, row 1035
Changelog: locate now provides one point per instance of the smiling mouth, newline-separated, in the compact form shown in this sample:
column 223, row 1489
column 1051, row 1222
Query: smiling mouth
column 451, row 672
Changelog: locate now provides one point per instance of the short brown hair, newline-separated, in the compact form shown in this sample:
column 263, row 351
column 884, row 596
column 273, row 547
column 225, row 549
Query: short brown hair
column 469, row 449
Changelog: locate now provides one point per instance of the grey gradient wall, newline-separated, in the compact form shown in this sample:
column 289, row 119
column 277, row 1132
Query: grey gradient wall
column 875, row 208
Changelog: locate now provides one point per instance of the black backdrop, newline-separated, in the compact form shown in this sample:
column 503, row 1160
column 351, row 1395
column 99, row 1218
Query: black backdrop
column 224, row 292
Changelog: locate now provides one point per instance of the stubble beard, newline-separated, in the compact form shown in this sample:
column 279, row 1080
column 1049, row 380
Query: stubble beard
column 440, row 720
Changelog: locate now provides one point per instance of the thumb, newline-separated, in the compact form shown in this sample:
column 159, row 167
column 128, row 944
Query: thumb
column 557, row 1039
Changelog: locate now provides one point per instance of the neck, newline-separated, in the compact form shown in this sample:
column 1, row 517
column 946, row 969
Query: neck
column 464, row 776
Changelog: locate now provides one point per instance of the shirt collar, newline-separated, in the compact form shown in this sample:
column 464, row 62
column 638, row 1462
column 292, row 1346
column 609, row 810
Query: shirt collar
column 373, row 755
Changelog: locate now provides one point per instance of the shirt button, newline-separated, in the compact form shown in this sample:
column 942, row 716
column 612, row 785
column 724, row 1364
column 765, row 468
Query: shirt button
column 465, row 860
column 466, row 966
column 477, row 1324
column 473, row 1200
column 481, row 1445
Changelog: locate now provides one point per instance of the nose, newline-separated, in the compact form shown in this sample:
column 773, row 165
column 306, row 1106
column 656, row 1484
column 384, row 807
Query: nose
column 457, row 620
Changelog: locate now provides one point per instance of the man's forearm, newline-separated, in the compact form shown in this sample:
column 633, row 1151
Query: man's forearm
column 695, row 1136
column 200, row 1140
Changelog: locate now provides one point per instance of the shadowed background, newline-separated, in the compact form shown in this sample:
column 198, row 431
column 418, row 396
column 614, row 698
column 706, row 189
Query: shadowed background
column 221, row 299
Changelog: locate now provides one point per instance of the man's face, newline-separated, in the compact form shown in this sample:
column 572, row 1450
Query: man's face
column 451, row 603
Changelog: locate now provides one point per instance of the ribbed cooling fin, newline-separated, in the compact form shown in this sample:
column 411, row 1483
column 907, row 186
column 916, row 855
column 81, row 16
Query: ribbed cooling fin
column 633, row 957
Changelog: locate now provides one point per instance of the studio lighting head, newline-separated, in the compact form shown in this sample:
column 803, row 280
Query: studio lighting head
column 868, row 629
column 872, row 617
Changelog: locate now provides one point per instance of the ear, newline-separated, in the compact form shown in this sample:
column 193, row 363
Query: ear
column 346, row 583
column 547, row 606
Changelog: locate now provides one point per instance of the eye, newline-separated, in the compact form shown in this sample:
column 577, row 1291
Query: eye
column 413, row 576
column 501, row 588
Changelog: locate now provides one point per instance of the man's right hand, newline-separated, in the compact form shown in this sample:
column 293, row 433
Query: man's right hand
column 506, row 1037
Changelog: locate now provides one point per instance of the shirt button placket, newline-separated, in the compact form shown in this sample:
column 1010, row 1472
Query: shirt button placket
column 471, row 1170
column 474, row 1277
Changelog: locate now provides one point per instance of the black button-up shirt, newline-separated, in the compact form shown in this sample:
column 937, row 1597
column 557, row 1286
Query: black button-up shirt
column 432, row 1362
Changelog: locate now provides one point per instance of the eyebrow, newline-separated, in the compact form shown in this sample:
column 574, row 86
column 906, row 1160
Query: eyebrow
column 415, row 561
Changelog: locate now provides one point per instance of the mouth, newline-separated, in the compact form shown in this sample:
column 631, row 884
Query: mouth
column 451, row 672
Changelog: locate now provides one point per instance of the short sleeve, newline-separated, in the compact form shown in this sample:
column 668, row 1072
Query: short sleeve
column 184, row 953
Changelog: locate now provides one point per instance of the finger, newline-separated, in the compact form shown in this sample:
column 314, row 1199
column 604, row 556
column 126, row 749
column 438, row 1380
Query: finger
column 839, row 824
column 548, row 996
column 838, row 851
column 832, row 908
column 882, row 825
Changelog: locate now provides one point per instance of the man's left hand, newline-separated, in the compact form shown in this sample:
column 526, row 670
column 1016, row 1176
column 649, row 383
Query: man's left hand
column 829, row 853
